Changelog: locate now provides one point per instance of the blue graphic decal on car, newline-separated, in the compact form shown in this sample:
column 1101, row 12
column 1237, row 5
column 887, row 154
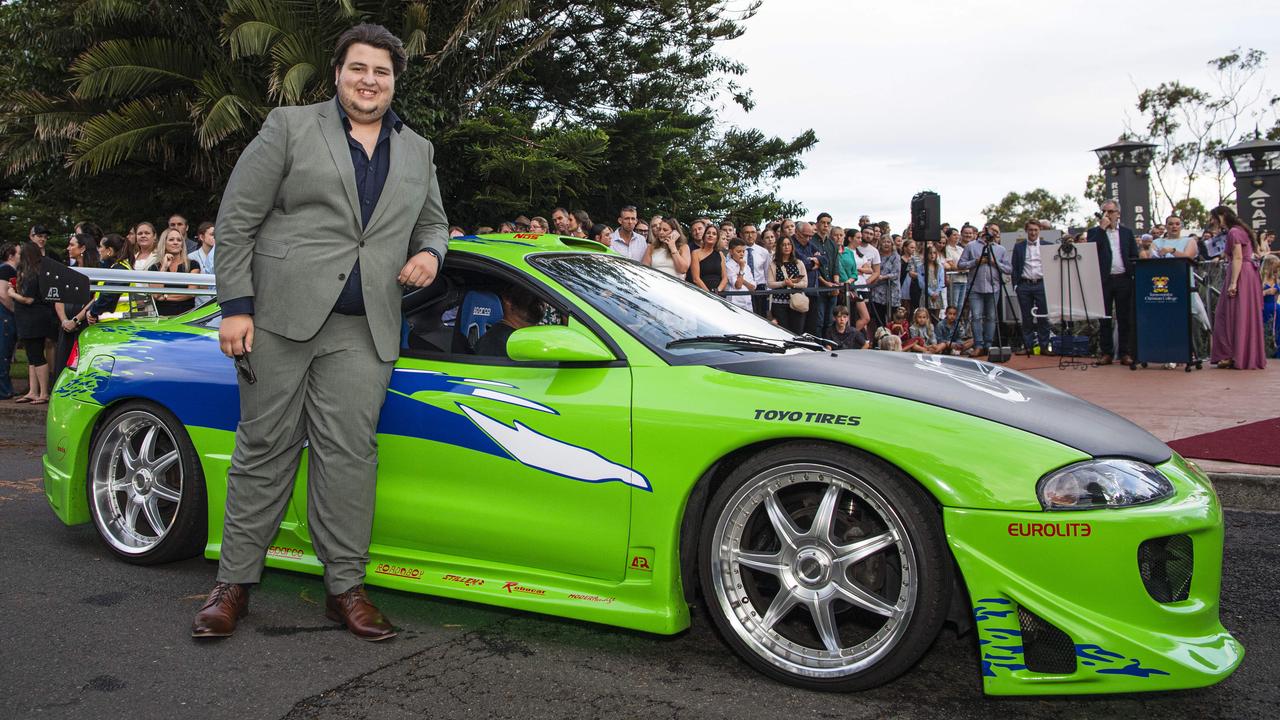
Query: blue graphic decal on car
column 532, row 448
column 1002, row 648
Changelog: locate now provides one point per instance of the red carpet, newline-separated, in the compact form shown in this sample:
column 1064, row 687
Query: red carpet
column 1257, row 443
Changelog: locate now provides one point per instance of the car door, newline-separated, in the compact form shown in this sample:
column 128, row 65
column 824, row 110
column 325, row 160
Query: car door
column 494, row 461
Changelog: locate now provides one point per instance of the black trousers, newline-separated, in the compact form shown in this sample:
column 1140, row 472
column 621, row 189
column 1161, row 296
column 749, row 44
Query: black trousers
column 788, row 318
column 62, row 353
column 760, row 304
column 1117, row 301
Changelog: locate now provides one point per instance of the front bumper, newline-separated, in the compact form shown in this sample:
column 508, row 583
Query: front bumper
column 1061, row 606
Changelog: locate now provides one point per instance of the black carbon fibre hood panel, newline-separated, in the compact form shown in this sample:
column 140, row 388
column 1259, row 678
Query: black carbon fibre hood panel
column 972, row 387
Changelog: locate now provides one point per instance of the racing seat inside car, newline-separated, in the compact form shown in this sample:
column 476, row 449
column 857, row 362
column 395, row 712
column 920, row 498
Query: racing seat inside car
column 479, row 310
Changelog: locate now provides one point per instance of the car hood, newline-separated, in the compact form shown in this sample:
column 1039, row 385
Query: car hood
column 971, row 387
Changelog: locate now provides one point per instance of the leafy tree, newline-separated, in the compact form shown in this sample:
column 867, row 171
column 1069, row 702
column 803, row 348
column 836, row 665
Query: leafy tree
column 124, row 109
column 1193, row 212
column 1015, row 210
column 1190, row 125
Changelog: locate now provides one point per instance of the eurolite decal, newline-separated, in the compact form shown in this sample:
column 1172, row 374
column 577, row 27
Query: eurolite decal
column 1050, row 529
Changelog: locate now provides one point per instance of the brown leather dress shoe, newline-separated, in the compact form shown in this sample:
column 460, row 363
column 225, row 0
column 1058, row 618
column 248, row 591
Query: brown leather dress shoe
column 1104, row 360
column 1126, row 360
column 227, row 603
column 353, row 609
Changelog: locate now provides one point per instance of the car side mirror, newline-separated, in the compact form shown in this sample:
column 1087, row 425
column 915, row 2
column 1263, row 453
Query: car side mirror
column 557, row 343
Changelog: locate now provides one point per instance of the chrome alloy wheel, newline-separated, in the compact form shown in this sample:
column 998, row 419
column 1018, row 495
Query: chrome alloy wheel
column 136, row 482
column 814, row 570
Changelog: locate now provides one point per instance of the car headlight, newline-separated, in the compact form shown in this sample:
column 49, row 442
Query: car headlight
column 1103, row 483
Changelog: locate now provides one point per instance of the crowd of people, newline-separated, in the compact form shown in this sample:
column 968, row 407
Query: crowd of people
column 47, row 330
column 862, row 286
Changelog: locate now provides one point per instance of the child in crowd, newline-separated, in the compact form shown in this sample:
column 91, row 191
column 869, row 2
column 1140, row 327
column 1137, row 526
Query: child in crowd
column 1270, row 291
column 899, row 325
column 846, row 336
column 889, row 341
column 739, row 274
column 923, row 339
column 963, row 341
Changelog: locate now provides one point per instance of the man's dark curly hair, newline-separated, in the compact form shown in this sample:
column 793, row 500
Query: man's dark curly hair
column 376, row 36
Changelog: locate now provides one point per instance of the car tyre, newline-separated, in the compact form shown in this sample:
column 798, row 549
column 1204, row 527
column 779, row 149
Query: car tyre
column 145, row 487
column 824, row 567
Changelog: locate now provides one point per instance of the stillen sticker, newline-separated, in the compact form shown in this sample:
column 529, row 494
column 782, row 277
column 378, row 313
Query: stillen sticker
column 463, row 580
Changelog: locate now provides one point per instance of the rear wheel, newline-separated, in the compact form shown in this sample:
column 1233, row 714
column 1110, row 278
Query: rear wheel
column 146, row 492
column 824, row 568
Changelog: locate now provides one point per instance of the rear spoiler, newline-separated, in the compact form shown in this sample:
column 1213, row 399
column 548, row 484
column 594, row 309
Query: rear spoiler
column 140, row 282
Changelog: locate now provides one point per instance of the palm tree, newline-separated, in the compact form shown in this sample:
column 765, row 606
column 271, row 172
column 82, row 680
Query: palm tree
column 186, row 84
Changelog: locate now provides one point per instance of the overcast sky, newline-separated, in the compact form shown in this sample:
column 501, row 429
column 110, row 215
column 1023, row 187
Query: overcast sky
column 970, row 98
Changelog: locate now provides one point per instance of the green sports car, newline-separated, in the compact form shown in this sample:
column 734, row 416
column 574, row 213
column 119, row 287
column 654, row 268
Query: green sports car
column 647, row 442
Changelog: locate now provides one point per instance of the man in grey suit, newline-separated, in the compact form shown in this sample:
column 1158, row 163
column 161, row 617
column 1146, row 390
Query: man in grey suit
column 328, row 212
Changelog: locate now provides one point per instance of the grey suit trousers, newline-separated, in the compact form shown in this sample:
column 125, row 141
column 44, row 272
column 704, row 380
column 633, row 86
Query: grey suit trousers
column 329, row 392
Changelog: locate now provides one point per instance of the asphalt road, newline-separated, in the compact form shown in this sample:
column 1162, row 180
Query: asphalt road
column 87, row 636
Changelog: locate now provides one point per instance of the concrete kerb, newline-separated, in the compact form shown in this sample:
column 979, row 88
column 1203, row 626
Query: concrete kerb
column 9, row 410
column 1247, row 491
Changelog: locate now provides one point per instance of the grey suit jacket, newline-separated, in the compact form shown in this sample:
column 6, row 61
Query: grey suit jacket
column 289, row 225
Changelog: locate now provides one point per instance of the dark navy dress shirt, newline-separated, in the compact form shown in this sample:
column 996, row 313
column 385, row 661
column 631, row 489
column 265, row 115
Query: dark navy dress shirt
column 371, row 176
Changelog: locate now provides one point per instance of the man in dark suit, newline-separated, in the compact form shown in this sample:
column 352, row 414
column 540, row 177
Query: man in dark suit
column 1117, row 253
column 329, row 211
column 1028, row 284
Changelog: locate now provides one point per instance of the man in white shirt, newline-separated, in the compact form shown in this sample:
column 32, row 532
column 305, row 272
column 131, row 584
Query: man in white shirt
column 957, row 282
column 735, row 266
column 758, row 263
column 1117, row 253
column 1028, row 284
column 868, row 259
column 625, row 240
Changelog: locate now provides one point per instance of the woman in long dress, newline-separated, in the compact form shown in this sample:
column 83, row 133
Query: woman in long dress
column 1237, row 322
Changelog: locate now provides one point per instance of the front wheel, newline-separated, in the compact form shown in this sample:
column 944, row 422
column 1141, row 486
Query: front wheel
column 824, row 568
column 146, row 491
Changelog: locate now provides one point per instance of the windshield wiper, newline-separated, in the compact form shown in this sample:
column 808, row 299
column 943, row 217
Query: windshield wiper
column 745, row 342
column 751, row 342
column 809, row 340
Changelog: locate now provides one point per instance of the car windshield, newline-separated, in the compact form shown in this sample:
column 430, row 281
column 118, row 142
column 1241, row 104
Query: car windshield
column 676, row 320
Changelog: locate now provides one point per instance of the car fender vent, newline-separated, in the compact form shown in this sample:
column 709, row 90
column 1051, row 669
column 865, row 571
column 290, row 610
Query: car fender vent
column 1166, row 565
column 1045, row 647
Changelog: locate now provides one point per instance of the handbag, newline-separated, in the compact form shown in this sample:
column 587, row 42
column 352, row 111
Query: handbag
column 799, row 302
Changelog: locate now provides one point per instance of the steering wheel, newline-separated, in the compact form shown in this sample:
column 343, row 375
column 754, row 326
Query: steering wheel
column 415, row 299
